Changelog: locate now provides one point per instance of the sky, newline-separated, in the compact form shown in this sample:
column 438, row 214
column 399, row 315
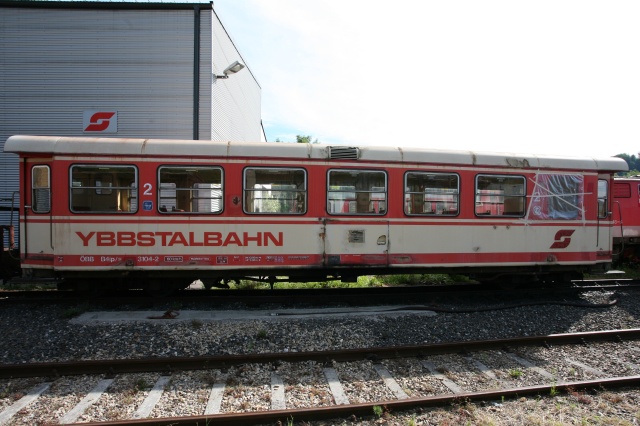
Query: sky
column 556, row 77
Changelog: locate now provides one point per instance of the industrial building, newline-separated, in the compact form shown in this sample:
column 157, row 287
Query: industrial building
column 116, row 69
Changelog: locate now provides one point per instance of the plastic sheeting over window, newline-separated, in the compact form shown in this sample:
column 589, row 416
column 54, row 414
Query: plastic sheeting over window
column 557, row 196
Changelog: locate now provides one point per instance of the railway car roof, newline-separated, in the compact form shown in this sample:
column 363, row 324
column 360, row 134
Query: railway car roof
column 205, row 148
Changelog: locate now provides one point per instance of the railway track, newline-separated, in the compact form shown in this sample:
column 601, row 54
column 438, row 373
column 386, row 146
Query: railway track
column 307, row 386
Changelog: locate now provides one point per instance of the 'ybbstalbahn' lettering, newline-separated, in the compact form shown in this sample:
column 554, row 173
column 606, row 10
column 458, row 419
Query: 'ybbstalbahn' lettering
column 168, row 239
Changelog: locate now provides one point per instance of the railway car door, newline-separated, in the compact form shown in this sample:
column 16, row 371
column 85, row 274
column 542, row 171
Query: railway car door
column 356, row 230
column 604, row 233
column 37, row 235
column 356, row 243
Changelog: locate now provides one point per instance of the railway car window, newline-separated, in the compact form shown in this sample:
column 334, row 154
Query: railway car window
column 621, row 190
column 275, row 191
column 603, row 198
column 431, row 194
column 500, row 195
column 357, row 192
column 103, row 188
column 193, row 190
column 41, row 189
column 557, row 196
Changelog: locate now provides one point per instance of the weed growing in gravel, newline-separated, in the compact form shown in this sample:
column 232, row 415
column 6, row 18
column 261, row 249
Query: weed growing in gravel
column 128, row 397
column 141, row 385
column 515, row 373
column 377, row 411
column 196, row 324
column 73, row 312
column 262, row 334
column 210, row 379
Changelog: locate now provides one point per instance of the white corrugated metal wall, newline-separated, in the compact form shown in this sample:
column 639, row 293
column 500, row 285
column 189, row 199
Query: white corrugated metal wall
column 235, row 107
column 59, row 60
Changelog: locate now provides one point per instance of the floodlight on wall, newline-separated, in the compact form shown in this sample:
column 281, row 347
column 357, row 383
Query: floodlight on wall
column 231, row 69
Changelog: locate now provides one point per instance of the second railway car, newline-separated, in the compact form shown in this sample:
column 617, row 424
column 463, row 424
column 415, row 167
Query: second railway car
column 626, row 215
column 104, row 212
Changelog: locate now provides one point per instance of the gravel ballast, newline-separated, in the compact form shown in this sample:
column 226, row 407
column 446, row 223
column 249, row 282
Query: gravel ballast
column 48, row 334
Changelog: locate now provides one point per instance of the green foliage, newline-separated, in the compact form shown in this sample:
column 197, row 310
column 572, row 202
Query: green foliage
column 515, row 373
column 141, row 385
column 633, row 162
column 419, row 279
column 363, row 282
column 301, row 139
column 73, row 312
column 377, row 410
column 304, row 139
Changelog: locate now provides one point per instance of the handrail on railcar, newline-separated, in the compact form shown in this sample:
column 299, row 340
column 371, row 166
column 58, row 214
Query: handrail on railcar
column 621, row 230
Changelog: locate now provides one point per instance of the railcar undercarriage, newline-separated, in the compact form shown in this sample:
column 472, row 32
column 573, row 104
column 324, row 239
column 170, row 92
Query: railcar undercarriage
column 164, row 283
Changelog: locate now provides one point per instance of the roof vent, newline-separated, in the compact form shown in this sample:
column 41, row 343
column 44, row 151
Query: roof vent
column 343, row 153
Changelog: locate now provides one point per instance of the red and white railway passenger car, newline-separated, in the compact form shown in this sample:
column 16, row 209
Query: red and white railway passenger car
column 168, row 212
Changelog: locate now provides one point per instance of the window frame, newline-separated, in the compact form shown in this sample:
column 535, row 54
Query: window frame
column 435, row 213
column 603, row 203
column 102, row 190
column 304, row 191
column 522, row 197
column 357, row 192
column 186, row 168
column 34, row 187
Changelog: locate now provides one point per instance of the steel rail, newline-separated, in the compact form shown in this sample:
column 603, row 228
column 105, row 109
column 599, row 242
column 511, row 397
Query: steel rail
column 170, row 364
column 366, row 409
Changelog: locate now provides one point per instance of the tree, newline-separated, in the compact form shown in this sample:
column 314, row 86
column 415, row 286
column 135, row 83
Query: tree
column 633, row 162
column 301, row 139
column 305, row 139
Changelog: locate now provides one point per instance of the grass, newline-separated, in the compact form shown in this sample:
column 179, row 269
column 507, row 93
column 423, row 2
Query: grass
column 364, row 281
column 73, row 312
column 384, row 280
column 515, row 373
column 141, row 385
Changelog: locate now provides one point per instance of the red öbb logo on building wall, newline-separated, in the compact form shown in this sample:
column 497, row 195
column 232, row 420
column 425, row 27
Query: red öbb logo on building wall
column 100, row 121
